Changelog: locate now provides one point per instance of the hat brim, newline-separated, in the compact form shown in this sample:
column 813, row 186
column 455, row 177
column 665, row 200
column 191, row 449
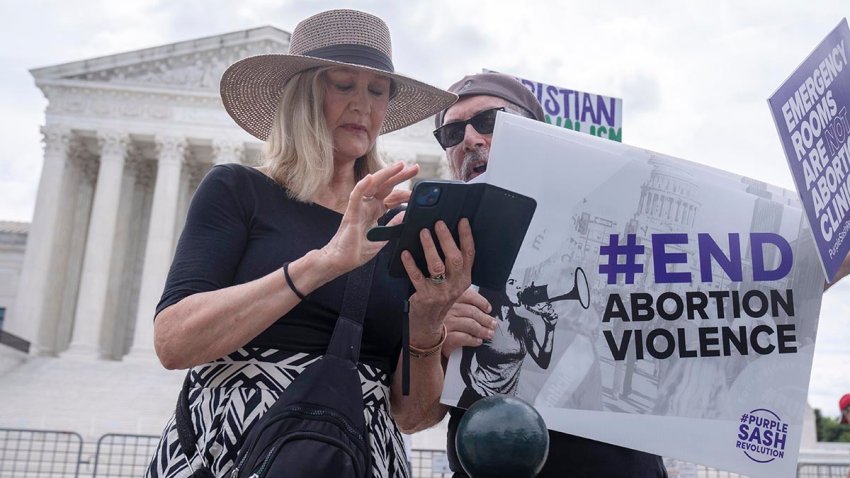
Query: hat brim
column 251, row 88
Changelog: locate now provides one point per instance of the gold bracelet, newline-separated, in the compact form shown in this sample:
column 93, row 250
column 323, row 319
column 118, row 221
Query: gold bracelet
column 416, row 352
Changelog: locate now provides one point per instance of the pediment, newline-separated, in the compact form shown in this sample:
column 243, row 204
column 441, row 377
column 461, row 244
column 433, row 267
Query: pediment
column 194, row 65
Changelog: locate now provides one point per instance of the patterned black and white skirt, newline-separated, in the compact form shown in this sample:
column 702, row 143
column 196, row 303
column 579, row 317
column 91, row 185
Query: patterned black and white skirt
column 230, row 394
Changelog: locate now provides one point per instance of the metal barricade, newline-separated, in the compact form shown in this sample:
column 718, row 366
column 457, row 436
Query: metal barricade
column 123, row 456
column 40, row 453
column 822, row 470
column 708, row 472
column 424, row 462
column 59, row 454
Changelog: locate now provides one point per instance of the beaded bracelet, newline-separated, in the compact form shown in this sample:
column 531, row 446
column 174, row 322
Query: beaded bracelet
column 416, row 352
column 290, row 283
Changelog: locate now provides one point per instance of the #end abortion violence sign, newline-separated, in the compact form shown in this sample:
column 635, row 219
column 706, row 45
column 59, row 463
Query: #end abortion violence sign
column 656, row 303
column 810, row 112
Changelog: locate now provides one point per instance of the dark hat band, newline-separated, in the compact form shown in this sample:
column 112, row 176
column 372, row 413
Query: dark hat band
column 354, row 54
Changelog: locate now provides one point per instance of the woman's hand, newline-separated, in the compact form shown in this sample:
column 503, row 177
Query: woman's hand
column 434, row 296
column 447, row 281
column 371, row 197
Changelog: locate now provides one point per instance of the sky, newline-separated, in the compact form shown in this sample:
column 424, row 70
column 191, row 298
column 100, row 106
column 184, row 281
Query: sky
column 694, row 77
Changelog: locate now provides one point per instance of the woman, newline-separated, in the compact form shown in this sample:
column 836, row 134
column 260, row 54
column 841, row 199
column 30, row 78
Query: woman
column 494, row 367
column 248, row 326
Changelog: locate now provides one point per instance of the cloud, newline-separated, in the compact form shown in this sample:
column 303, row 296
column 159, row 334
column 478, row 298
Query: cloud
column 644, row 93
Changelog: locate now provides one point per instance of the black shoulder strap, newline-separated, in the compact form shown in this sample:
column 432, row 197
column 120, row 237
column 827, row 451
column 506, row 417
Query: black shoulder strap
column 183, row 418
column 185, row 432
column 346, row 339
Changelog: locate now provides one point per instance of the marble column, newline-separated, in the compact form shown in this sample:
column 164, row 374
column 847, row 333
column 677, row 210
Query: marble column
column 78, row 197
column 159, row 248
column 26, row 318
column 227, row 151
column 94, row 280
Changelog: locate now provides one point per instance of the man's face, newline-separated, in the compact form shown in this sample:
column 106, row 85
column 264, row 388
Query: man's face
column 468, row 159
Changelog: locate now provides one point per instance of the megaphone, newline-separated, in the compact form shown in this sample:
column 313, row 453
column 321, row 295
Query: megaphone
column 536, row 294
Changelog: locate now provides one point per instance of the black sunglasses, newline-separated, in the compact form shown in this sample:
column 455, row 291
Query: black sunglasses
column 452, row 133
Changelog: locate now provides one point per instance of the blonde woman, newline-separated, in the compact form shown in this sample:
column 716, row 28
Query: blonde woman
column 258, row 277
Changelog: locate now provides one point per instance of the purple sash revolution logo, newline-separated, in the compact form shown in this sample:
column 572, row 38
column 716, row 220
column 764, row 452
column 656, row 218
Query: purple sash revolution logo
column 762, row 436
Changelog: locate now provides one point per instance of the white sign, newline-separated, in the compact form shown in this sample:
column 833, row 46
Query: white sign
column 656, row 303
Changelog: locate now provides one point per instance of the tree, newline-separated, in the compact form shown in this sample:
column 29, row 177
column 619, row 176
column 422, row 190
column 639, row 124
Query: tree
column 830, row 429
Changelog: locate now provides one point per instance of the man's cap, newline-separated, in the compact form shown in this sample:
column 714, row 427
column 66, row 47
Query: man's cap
column 842, row 404
column 495, row 84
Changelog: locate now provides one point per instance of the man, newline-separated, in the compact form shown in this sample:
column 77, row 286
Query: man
column 465, row 130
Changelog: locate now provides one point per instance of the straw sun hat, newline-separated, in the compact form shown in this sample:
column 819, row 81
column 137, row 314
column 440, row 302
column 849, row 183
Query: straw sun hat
column 250, row 88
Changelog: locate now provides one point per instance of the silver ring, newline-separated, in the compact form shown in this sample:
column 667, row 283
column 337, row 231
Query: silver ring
column 368, row 198
column 438, row 279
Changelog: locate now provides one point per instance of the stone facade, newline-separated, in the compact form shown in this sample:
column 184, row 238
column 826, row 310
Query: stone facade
column 13, row 239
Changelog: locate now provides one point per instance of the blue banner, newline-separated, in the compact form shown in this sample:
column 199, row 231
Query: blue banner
column 810, row 111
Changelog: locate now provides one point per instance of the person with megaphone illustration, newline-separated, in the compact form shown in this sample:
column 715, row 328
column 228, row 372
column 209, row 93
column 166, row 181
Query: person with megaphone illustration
column 498, row 361
column 494, row 367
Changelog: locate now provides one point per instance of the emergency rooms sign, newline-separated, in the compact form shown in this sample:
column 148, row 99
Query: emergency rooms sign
column 656, row 303
column 810, row 111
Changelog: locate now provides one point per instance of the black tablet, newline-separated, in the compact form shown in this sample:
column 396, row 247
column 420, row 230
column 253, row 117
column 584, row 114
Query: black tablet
column 499, row 219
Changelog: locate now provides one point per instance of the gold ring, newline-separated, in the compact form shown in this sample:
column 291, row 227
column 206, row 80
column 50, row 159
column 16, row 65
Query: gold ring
column 438, row 279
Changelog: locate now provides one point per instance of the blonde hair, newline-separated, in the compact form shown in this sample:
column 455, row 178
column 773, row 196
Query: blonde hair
column 299, row 150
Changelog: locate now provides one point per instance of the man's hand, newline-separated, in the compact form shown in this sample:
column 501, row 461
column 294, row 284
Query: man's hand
column 468, row 322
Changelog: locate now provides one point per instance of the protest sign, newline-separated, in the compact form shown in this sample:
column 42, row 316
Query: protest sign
column 810, row 112
column 596, row 115
column 656, row 303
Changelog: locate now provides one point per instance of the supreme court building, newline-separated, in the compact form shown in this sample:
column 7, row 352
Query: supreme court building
column 127, row 138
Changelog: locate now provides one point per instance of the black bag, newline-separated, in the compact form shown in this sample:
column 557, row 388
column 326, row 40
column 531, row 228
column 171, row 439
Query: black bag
column 317, row 426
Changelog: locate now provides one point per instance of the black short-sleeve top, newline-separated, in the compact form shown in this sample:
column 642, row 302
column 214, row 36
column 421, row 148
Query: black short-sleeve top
column 241, row 226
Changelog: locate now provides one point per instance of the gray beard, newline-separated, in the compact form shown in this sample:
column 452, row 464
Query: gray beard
column 469, row 159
